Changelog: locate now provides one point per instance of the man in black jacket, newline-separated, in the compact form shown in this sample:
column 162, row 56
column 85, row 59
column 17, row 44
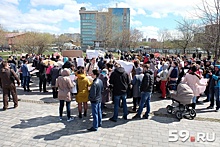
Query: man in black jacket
column 146, row 91
column 95, row 97
column 42, row 75
column 120, row 81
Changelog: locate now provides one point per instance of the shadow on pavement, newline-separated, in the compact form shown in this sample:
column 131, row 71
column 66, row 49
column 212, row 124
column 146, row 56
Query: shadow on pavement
column 77, row 126
column 204, row 110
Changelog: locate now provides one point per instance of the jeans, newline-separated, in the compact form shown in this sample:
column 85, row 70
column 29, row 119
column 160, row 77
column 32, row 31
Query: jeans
column 116, row 105
column 217, row 97
column 194, row 99
column 145, row 99
column 96, row 114
column 26, row 80
column 67, row 108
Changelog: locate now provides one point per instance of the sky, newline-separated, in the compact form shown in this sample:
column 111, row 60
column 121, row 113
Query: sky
column 62, row 16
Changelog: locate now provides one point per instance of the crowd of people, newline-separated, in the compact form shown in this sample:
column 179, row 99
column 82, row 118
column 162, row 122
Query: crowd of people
column 103, row 79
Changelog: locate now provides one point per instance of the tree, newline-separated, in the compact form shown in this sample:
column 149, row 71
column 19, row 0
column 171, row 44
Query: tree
column 33, row 42
column 209, row 14
column 60, row 40
column 3, row 40
column 164, row 37
column 187, row 29
column 135, row 37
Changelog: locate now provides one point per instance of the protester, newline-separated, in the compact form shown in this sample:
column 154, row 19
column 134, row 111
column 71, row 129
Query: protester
column 7, row 78
column 120, row 81
column 136, row 83
column 26, row 76
column 65, row 85
column 91, row 66
column 42, row 75
column 55, row 72
column 193, row 81
column 95, row 97
column 146, row 91
column 83, row 84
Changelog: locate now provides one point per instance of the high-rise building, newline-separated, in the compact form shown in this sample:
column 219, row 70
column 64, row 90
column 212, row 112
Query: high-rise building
column 88, row 24
column 103, row 27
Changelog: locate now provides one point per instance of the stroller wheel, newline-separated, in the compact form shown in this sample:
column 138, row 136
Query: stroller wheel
column 169, row 109
column 192, row 113
column 179, row 115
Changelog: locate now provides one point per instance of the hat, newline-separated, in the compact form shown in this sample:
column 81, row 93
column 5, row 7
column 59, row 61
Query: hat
column 147, row 55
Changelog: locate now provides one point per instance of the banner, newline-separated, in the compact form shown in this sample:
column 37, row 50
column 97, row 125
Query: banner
column 72, row 53
column 94, row 53
column 80, row 62
column 128, row 66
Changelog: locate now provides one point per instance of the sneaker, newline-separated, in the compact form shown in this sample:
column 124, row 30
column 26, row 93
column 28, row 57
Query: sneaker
column 112, row 119
column 206, row 100
column 217, row 110
column 209, row 107
column 60, row 118
column 136, row 116
column 125, row 117
column 92, row 129
column 132, row 111
column 70, row 119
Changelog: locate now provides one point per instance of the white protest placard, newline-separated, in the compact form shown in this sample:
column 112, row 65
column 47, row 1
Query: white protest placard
column 80, row 62
column 30, row 68
column 128, row 66
column 92, row 54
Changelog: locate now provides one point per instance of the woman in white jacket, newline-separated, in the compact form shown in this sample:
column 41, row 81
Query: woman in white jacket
column 193, row 81
column 163, row 78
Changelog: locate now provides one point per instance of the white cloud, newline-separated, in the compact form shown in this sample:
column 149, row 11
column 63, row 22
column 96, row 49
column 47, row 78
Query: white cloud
column 50, row 2
column 135, row 22
column 149, row 31
column 73, row 30
column 16, row 2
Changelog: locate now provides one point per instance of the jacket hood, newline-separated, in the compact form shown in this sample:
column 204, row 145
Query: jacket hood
column 149, row 72
column 120, row 70
column 81, row 76
column 65, row 72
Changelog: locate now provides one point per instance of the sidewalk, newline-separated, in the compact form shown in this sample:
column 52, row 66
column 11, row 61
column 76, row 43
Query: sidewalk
column 35, row 123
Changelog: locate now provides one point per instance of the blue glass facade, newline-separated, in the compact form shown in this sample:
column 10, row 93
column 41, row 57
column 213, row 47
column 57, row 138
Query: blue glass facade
column 88, row 25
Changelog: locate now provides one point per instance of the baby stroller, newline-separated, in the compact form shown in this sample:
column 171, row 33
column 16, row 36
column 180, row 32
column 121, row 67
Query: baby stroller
column 181, row 105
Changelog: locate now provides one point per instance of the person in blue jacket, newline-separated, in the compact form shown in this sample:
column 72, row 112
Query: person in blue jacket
column 26, row 76
column 215, row 88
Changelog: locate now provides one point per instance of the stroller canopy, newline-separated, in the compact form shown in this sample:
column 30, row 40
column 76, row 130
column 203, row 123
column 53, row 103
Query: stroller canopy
column 184, row 94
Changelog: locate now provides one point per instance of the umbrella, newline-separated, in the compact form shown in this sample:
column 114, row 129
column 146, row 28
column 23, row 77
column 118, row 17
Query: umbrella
column 156, row 55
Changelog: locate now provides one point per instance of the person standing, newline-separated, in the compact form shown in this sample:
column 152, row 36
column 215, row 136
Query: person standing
column 136, row 83
column 193, row 81
column 90, row 66
column 65, row 86
column 214, row 89
column 146, row 91
column 55, row 72
column 26, row 76
column 83, row 84
column 120, row 81
column 7, row 77
column 95, row 97
column 42, row 76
